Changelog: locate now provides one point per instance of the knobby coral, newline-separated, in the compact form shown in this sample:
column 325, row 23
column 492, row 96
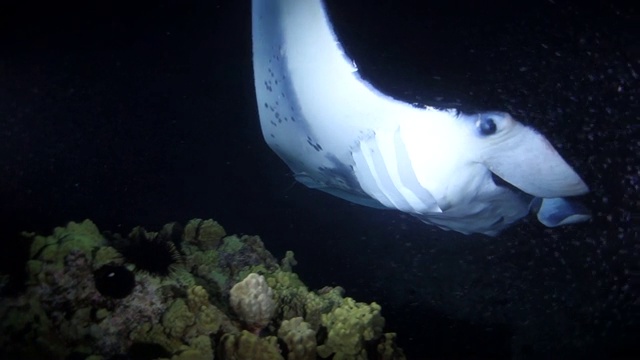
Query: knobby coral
column 300, row 339
column 252, row 300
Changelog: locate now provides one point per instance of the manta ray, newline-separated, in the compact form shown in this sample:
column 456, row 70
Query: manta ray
column 471, row 173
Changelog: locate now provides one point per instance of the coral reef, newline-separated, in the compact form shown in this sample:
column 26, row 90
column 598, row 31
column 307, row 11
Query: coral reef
column 206, row 295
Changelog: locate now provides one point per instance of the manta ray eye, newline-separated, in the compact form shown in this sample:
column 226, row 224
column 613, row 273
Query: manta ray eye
column 486, row 125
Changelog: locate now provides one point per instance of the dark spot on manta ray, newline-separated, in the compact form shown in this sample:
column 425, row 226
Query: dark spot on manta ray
column 342, row 171
column 313, row 144
column 486, row 125
column 273, row 123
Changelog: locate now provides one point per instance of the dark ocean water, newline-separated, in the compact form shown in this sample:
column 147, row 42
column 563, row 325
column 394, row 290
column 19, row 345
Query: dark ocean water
column 143, row 114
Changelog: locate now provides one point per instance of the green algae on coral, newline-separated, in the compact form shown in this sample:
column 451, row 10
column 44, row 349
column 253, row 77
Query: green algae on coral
column 231, row 244
column 81, row 237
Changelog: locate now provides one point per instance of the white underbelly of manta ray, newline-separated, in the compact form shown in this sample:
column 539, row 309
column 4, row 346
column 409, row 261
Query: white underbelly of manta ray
column 340, row 135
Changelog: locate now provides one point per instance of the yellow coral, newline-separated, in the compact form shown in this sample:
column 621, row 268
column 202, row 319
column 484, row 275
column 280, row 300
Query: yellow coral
column 177, row 318
column 182, row 276
column 86, row 228
column 231, row 244
column 154, row 334
column 292, row 303
column 38, row 243
column 300, row 339
column 34, row 270
column 81, row 237
column 280, row 279
column 77, row 326
column 205, row 233
column 207, row 317
column 102, row 314
column 388, row 350
column 246, row 345
column 289, row 293
column 106, row 255
column 203, row 344
column 288, row 262
column 317, row 304
column 205, row 264
column 197, row 296
column 349, row 326
column 200, row 348
column 191, row 354
column 30, row 320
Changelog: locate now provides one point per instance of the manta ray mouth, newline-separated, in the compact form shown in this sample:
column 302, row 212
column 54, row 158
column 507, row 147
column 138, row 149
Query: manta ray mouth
column 500, row 182
column 504, row 183
column 551, row 212
column 530, row 163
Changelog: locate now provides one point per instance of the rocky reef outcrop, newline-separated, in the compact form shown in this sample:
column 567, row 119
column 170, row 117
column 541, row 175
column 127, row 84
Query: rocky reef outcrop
column 183, row 292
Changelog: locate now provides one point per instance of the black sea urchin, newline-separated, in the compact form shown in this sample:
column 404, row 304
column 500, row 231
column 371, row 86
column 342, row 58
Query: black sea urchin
column 114, row 281
column 154, row 253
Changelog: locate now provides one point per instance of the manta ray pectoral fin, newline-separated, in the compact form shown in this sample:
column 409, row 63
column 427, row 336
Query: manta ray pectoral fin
column 529, row 162
column 554, row 212
column 341, row 192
